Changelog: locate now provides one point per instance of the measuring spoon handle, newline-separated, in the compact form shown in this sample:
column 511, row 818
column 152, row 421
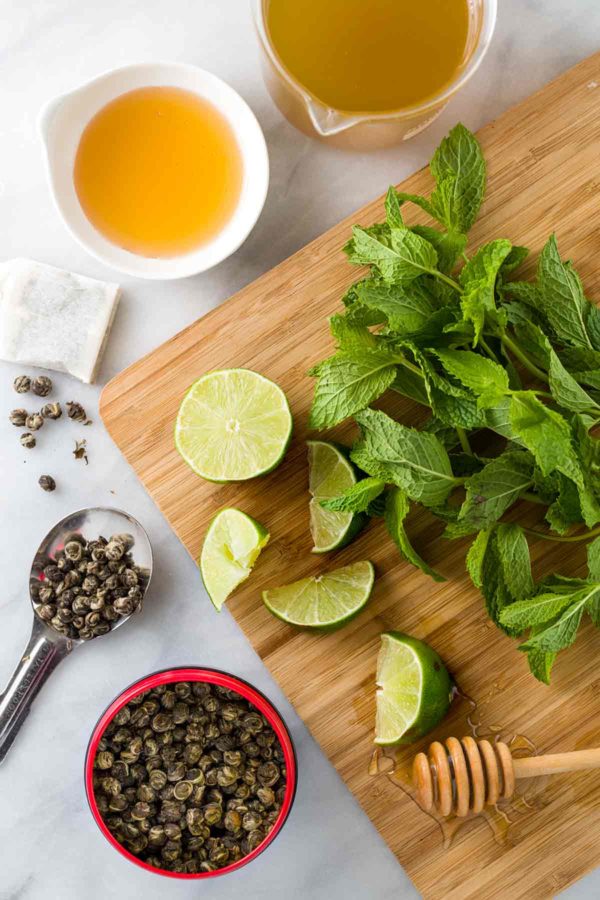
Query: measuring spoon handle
column 40, row 657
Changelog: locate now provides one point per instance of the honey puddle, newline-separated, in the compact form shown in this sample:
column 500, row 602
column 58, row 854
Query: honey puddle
column 507, row 818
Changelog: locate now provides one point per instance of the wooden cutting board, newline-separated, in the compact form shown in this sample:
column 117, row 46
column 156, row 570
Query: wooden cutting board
column 544, row 175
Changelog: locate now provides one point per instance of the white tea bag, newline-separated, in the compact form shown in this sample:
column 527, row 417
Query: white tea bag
column 54, row 319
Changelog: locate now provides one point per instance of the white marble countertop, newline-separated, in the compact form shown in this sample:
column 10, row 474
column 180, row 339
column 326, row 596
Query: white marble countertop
column 49, row 845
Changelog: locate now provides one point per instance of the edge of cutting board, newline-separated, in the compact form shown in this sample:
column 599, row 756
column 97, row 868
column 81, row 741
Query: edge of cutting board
column 481, row 871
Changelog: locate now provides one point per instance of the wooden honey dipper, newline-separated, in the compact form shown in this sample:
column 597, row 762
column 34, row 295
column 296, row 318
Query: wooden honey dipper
column 464, row 776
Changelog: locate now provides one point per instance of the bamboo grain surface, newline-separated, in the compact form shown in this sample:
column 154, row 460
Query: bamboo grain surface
column 544, row 175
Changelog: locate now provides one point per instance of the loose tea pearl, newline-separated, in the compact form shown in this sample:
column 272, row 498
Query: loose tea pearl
column 76, row 412
column 18, row 417
column 34, row 422
column 51, row 411
column 41, row 386
column 28, row 441
column 47, row 483
column 22, row 384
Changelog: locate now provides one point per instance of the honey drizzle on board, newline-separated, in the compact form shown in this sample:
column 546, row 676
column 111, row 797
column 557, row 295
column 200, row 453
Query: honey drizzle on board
column 503, row 818
column 158, row 171
column 379, row 56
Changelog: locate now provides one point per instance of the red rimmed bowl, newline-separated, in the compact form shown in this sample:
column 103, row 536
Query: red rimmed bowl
column 223, row 679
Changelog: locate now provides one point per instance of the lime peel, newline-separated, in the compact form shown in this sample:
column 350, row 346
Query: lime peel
column 232, row 425
column 414, row 689
column 327, row 601
column 330, row 474
column 231, row 547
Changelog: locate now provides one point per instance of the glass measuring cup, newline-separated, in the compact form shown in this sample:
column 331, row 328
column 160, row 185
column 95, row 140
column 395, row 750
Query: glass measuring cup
column 367, row 131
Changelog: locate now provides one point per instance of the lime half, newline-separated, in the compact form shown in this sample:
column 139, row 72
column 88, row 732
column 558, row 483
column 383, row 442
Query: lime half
column 414, row 689
column 231, row 547
column 323, row 601
column 330, row 473
column 233, row 425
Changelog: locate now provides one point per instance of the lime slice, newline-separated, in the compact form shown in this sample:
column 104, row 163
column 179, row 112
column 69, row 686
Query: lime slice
column 414, row 689
column 323, row 601
column 231, row 547
column 233, row 425
column 330, row 473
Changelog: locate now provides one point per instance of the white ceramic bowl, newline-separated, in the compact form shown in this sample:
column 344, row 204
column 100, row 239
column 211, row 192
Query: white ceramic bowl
column 63, row 120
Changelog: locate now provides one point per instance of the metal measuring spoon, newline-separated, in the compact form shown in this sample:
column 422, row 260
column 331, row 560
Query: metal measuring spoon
column 46, row 647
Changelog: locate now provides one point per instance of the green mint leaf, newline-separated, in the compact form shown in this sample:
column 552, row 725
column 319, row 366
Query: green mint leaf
column 422, row 202
column 593, row 560
column 411, row 385
column 497, row 418
column 416, row 461
column 513, row 552
column 495, row 488
column 435, row 329
column 593, row 325
column 396, row 510
column 535, row 611
column 515, row 258
column 549, row 437
column 565, row 389
column 564, row 302
column 449, row 245
column 499, row 565
column 562, row 584
column 583, row 364
column 350, row 334
column 540, row 664
column 588, row 483
column 376, row 508
column 393, row 211
column 476, row 372
column 459, row 169
column 526, row 292
column 476, row 556
column 545, row 433
column 357, row 498
column 564, row 510
column 367, row 463
column 415, row 255
column 451, row 404
column 478, row 280
column 534, row 342
column 443, row 203
column 445, row 433
column 401, row 258
column 561, row 633
column 347, row 383
column 407, row 308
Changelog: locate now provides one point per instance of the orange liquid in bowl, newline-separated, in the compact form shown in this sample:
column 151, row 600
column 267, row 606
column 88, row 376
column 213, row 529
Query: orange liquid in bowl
column 158, row 171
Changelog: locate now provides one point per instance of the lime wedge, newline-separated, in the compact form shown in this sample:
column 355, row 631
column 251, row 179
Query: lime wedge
column 414, row 689
column 330, row 473
column 323, row 601
column 233, row 425
column 231, row 547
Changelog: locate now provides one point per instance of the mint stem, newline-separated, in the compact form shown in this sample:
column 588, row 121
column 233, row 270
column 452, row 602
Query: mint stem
column 523, row 358
column 483, row 343
column 403, row 361
column 464, row 440
column 446, row 279
column 532, row 498
column 546, row 536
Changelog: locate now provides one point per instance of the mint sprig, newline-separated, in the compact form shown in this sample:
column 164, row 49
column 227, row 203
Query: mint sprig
column 507, row 366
